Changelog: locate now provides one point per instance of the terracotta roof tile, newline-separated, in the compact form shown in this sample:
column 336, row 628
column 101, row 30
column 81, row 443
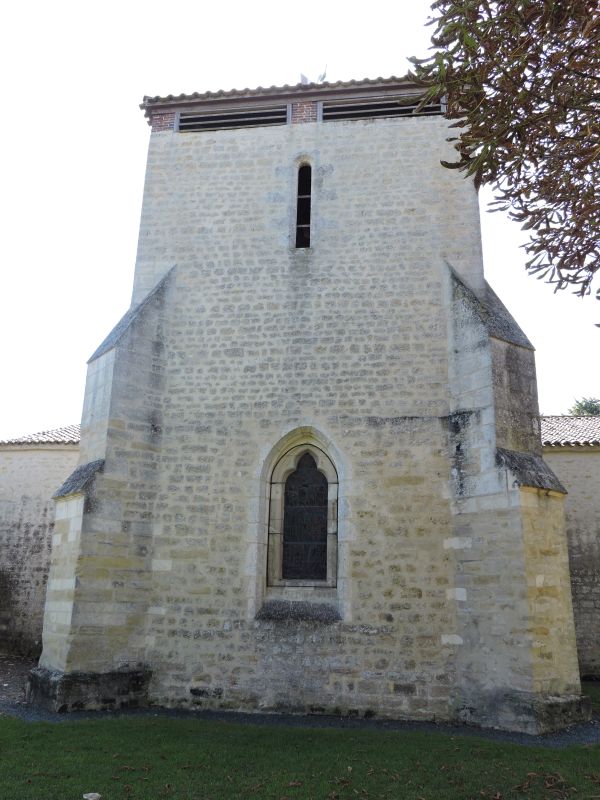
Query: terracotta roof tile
column 570, row 431
column 557, row 431
column 326, row 87
column 70, row 434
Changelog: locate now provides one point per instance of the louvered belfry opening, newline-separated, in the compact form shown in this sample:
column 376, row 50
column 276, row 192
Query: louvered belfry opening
column 365, row 108
column 233, row 118
column 305, row 523
column 303, row 207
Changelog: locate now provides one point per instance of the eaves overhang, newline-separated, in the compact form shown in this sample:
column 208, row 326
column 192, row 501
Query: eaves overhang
column 338, row 90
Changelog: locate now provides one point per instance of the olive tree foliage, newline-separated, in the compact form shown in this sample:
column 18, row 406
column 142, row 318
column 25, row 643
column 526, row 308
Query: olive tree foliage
column 586, row 407
column 521, row 79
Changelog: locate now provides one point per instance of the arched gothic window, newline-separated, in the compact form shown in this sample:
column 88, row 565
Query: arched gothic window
column 303, row 519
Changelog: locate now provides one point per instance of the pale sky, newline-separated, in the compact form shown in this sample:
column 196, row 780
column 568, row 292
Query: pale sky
column 74, row 144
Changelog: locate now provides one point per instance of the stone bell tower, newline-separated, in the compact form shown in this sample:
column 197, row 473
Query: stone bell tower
column 310, row 474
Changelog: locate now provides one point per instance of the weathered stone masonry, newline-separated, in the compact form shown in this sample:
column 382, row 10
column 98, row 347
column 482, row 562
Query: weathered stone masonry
column 31, row 467
column 446, row 589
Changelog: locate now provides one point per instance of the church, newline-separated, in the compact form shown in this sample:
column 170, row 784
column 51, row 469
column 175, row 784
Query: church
column 310, row 473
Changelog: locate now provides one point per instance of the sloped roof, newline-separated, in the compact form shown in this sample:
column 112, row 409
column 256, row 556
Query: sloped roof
column 568, row 431
column 79, row 480
column 529, row 470
column 70, row 434
column 500, row 322
column 493, row 313
column 286, row 89
column 557, row 431
column 128, row 319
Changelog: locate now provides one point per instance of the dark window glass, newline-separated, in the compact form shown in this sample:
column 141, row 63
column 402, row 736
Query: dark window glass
column 303, row 207
column 305, row 523
column 304, row 180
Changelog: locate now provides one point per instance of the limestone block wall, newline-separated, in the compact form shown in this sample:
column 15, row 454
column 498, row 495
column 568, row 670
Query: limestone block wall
column 508, row 547
column 58, row 611
column 555, row 669
column 96, row 407
column 515, row 618
column 345, row 339
column 579, row 469
column 493, row 665
column 393, row 650
column 515, row 392
column 29, row 475
column 223, row 204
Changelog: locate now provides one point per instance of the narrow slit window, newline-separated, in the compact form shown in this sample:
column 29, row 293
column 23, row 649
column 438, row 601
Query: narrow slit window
column 303, row 208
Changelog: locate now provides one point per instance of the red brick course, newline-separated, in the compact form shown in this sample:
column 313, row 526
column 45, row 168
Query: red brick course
column 163, row 122
column 304, row 111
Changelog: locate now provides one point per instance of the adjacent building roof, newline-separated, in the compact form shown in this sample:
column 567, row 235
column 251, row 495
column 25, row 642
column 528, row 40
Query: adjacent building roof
column 70, row 434
column 558, row 431
column 571, row 431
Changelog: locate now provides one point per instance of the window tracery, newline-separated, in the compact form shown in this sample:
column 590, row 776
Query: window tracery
column 302, row 537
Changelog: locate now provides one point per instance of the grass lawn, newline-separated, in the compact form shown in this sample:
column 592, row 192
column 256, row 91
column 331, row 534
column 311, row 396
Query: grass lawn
column 187, row 758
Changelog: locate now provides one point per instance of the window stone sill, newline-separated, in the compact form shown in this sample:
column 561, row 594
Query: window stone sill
column 298, row 611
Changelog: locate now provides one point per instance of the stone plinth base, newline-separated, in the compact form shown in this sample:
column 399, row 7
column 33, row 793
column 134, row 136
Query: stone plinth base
column 75, row 691
column 527, row 713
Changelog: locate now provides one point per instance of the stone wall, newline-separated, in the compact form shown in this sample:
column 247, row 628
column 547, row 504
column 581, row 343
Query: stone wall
column 343, row 341
column 359, row 345
column 222, row 205
column 550, row 620
column 578, row 468
column 515, row 390
column 29, row 475
column 500, row 528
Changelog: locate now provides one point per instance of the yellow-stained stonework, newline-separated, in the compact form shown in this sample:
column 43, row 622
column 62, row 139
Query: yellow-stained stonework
column 578, row 467
column 381, row 352
column 554, row 654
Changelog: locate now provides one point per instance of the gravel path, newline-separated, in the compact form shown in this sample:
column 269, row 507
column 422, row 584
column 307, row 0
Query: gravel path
column 13, row 673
